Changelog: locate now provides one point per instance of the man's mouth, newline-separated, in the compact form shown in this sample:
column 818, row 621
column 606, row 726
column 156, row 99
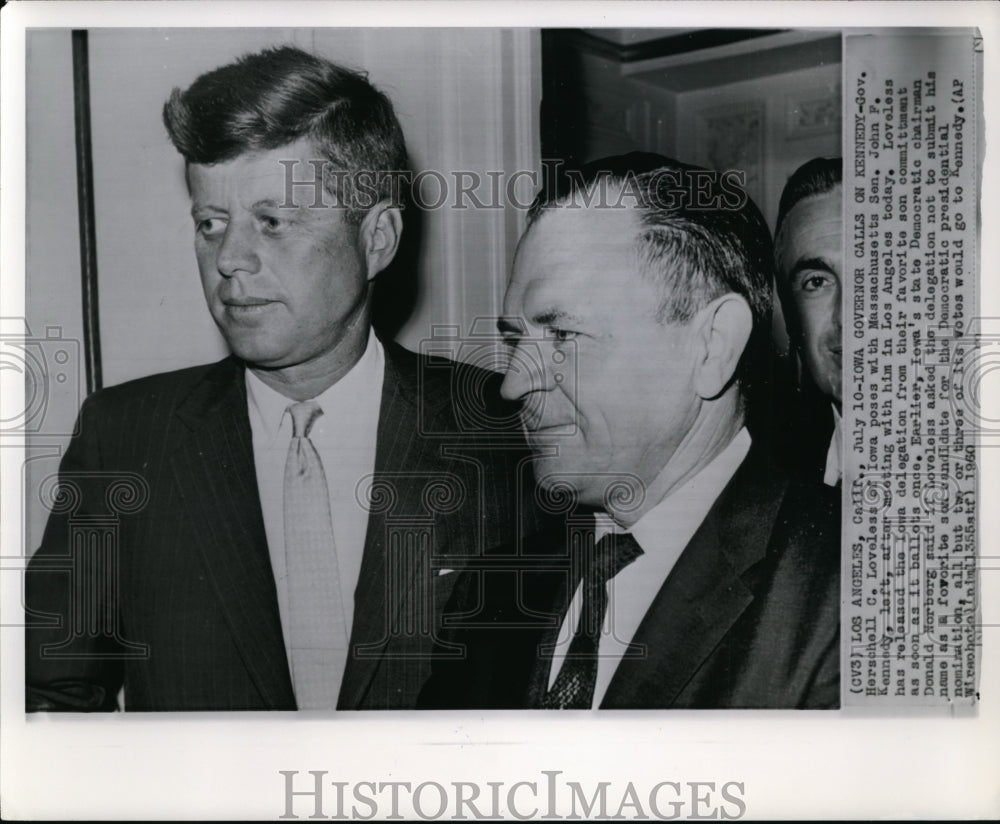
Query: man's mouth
column 246, row 301
column 243, row 307
column 534, row 430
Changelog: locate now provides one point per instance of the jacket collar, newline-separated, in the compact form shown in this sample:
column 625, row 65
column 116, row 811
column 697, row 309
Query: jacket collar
column 215, row 470
column 707, row 590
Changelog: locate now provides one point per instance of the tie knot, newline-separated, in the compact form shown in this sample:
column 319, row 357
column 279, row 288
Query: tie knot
column 303, row 415
column 612, row 554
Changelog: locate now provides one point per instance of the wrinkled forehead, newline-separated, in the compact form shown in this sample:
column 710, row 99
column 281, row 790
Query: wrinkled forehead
column 571, row 257
column 571, row 238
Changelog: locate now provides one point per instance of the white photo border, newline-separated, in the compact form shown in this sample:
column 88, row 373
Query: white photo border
column 214, row 766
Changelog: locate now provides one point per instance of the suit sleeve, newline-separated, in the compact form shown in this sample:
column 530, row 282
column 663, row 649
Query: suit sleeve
column 449, row 684
column 71, row 650
column 824, row 692
column 823, row 596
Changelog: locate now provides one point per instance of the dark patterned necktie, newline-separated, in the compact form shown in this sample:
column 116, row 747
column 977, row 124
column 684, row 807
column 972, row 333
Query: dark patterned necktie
column 574, row 686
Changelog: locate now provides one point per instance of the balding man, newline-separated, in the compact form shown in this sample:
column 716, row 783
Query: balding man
column 689, row 570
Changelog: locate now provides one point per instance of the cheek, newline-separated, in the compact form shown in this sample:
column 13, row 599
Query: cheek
column 204, row 253
column 609, row 397
column 331, row 271
column 207, row 270
column 340, row 245
column 610, row 421
column 815, row 317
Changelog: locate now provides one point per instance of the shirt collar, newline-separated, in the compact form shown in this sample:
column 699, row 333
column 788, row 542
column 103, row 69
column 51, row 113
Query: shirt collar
column 269, row 406
column 684, row 508
column 831, row 476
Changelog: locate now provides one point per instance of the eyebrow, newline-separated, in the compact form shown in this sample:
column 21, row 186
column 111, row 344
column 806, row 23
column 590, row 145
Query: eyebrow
column 551, row 316
column 204, row 207
column 271, row 203
column 515, row 326
column 811, row 264
column 265, row 203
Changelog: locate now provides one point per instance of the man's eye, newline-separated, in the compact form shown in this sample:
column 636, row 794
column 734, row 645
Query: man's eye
column 210, row 226
column 563, row 335
column 271, row 223
column 813, row 283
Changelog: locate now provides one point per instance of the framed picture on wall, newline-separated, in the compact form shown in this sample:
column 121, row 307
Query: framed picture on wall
column 732, row 137
column 812, row 116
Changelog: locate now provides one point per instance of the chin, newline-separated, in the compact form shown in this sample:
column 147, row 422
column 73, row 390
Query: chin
column 557, row 492
column 833, row 387
column 547, row 470
column 256, row 355
column 564, row 484
column 552, row 473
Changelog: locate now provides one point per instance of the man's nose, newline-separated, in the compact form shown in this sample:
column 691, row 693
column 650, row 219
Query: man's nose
column 238, row 251
column 525, row 373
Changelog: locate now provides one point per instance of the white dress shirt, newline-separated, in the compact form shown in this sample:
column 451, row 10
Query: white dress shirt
column 344, row 436
column 831, row 477
column 663, row 533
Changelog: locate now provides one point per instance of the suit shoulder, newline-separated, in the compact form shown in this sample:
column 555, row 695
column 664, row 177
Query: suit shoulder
column 177, row 382
column 466, row 394
column 808, row 528
column 811, row 506
column 155, row 397
column 440, row 372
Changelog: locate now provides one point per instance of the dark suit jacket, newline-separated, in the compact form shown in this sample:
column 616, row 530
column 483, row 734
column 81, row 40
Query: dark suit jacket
column 154, row 569
column 796, row 425
column 748, row 617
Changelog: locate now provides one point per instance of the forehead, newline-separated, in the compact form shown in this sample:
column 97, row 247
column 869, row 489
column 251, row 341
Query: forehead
column 578, row 255
column 259, row 174
column 813, row 227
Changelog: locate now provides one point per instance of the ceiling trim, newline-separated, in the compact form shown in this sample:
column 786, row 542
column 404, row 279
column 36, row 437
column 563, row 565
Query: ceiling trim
column 668, row 46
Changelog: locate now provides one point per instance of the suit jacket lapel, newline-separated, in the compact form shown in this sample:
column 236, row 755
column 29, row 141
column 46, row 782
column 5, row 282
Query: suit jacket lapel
column 705, row 593
column 404, row 459
column 215, row 472
column 550, row 591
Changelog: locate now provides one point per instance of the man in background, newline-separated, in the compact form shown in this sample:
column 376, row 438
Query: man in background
column 689, row 569
column 297, row 509
column 808, row 251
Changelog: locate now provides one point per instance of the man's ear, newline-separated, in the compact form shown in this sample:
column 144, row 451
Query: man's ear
column 379, row 235
column 722, row 330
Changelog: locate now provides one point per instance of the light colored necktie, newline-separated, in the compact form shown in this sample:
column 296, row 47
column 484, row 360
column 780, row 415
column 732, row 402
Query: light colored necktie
column 317, row 631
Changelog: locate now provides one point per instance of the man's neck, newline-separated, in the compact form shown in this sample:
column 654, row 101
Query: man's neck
column 304, row 381
column 711, row 434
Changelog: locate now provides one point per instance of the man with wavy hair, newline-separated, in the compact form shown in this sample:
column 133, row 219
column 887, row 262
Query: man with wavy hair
column 307, row 499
